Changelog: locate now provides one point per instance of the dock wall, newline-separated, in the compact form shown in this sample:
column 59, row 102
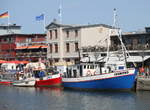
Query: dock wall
column 143, row 83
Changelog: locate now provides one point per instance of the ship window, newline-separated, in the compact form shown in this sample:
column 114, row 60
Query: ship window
column 121, row 67
column 103, row 54
column 95, row 66
column 91, row 66
column 84, row 66
column 87, row 66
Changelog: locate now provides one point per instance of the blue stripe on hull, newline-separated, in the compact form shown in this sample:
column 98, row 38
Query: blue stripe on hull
column 123, row 82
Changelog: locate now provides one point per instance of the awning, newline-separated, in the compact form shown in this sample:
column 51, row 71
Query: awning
column 17, row 62
column 3, row 61
column 22, row 47
column 34, row 47
column 44, row 46
column 24, row 62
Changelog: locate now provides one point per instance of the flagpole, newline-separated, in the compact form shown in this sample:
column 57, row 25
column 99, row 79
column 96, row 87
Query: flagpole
column 8, row 21
column 44, row 23
column 60, row 12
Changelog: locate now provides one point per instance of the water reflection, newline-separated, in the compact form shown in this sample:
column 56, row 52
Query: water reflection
column 54, row 91
column 100, row 100
column 143, row 100
column 21, row 98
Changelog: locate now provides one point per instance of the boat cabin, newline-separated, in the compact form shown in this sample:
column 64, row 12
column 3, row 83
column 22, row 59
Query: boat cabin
column 84, row 69
column 90, row 69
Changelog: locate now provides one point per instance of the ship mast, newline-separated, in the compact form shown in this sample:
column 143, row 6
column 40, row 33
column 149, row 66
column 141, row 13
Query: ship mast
column 108, row 39
column 115, row 25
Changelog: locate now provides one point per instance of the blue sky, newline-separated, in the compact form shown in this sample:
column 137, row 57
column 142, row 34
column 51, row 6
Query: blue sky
column 133, row 15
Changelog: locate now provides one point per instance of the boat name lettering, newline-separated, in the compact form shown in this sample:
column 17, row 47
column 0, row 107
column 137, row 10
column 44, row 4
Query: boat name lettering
column 121, row 73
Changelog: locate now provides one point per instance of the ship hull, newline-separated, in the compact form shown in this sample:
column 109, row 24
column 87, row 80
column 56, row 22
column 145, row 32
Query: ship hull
column 5, row 82
column 30, row 83
column 55, row 80
column 101, row 82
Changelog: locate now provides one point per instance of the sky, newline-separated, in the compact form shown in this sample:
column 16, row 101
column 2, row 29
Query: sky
column 132, row 15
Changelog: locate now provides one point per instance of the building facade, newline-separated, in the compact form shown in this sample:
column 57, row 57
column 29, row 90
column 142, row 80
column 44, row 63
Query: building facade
column 65, row 42
column 11, row 29
column 23, row 46
column 137, row 44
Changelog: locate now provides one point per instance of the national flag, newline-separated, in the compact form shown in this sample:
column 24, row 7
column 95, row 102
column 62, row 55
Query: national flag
column 4, row 15
column 39, row 18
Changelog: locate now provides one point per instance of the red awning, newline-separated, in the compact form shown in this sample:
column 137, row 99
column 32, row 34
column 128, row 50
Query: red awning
column 44, row 46
column 24, row 62
column 22, row 47
column 18, row 62
column 34, row 47
column 3, row 61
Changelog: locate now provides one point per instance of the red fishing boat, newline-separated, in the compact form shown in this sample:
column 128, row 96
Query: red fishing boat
column 49, row 81
column 44, row 77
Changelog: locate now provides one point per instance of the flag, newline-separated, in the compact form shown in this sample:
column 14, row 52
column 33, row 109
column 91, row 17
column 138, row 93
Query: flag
column 39, row 18
column 4, row 15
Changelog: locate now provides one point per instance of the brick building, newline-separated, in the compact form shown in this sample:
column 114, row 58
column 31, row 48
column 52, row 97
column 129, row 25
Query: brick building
column 23, row 46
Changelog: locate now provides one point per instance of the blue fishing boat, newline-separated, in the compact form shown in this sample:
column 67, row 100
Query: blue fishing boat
column 91, row 76
column 112, row 75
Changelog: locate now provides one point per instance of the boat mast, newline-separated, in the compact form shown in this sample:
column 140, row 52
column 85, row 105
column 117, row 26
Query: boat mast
column 115, row 25
column 108, row 49
column 114, row 18
column 108, row 39
column 123, row 49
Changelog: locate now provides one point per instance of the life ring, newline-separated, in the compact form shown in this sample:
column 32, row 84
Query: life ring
column 88, row 72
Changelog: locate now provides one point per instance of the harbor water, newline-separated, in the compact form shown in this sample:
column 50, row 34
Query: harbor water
column 21, row 98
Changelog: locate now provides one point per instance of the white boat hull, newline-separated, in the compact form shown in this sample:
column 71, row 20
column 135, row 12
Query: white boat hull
column 25, row 83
